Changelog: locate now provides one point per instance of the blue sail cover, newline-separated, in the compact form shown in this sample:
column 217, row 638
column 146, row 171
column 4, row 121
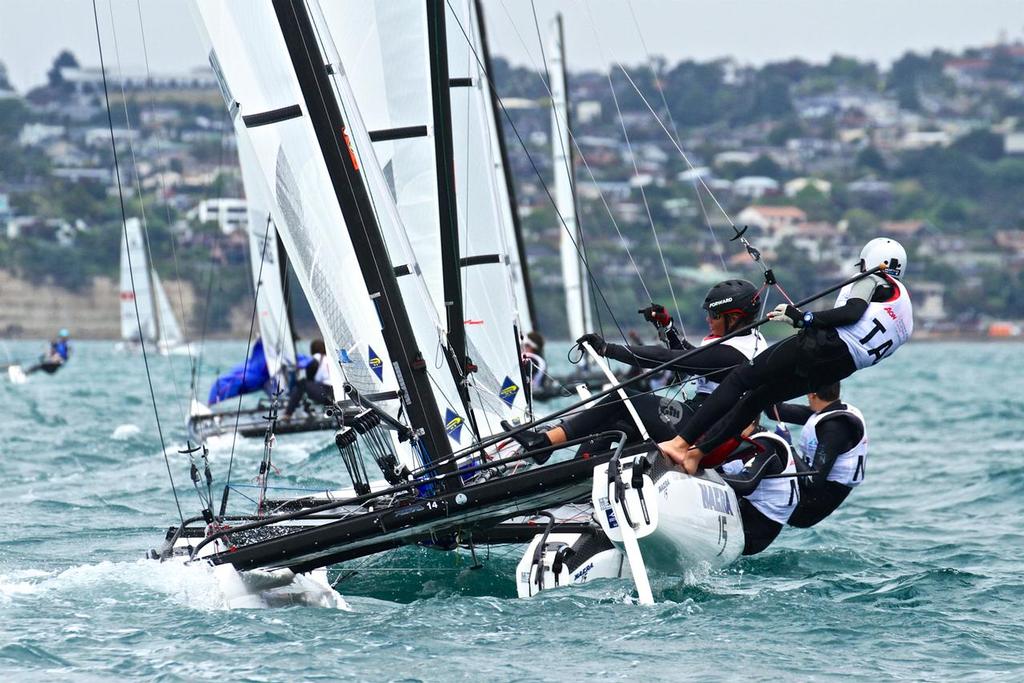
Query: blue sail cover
column 244, row 378
column 247, row 377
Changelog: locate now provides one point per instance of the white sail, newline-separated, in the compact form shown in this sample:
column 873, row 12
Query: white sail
column 506, row 209
column 170, row 332
column 256, row 74
column 255, row 71
column 383, row 47
column 265, row 262
column 574, row 276
column 136, row 287
column 491, row 310
column 384, row 167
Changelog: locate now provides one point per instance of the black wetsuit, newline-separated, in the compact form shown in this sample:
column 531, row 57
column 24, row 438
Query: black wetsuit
column 758, row 530
column 811, row 358
column 661, row 416
column 317, row 391
column 819, row 497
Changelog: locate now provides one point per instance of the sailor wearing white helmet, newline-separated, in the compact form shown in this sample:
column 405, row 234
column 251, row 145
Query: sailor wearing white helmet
column 872, row 318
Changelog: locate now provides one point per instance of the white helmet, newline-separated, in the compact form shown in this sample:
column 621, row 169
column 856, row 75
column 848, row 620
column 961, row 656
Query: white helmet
column 884, row 249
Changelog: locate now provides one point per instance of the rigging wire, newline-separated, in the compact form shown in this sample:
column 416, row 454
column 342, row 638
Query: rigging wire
column 543, row 184
column 124, row 219
column 636, row 173
column 146, row 242
column 245, row 366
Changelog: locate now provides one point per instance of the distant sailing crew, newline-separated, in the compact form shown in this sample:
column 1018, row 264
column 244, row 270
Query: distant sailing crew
column 833, row 443
column 317, row 384
column 872, row 318
column 56, row 356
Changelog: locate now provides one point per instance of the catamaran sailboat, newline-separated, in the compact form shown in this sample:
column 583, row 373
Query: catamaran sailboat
column 146, row 313
column 400, row 325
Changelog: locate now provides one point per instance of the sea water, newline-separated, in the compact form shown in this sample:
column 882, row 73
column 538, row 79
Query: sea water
column 918, row 576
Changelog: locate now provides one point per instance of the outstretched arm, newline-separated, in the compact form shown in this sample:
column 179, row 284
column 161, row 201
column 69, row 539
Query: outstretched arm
column 715, row 362
column 789, row 413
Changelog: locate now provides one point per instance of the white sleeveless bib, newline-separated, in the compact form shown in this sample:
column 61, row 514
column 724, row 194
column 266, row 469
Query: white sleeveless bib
column 884, row 327
column 774, row 498
column 849, row 467
column 748, row 344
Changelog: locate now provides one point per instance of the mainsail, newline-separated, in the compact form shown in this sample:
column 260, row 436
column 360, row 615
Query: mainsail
column 318, row 163
column 574, row 273
column 432, row 135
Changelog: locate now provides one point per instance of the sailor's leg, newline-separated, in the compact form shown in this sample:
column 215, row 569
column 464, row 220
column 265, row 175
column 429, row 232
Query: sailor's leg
column 298, row 391
column 758, row 530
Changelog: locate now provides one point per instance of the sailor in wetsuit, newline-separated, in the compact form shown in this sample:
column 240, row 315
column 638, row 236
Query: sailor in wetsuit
column 56, row 356
column 766, row 505
column 872, row 318
column 833, row 443
column 729, row 305
column 316, row 384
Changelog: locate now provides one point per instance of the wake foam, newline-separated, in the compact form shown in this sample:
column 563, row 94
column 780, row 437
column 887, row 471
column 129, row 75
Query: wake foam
column 195, row 586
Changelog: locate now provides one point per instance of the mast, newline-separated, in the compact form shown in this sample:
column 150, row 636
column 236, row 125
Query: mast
column 447, row 213
column 368, row 244
column 510, row 188
column 437, row 46
column 577, row 300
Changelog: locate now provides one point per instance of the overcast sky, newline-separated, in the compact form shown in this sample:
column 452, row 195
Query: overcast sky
column 598, row 32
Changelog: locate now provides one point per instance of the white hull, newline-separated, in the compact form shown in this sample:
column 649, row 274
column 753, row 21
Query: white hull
column 691, row 523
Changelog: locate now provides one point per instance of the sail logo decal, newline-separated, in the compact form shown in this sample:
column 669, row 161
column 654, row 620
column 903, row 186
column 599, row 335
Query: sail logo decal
column 509, row 391
column 127, row 296
column 343, row 356
column 376, row 364
column 453, row 424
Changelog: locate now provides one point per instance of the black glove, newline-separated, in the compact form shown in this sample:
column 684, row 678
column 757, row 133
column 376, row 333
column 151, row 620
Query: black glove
column 595, row 340
column 656, row 314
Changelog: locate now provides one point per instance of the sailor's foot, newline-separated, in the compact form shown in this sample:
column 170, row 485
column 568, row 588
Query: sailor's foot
column 530, row 441
column 691, row 460
column 674, row 451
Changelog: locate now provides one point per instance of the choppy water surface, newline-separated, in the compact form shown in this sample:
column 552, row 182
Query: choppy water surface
column 917, row 577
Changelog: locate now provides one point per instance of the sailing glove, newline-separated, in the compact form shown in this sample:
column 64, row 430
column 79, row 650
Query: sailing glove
column 656, row 314
column 595, row 340
column 787, row 313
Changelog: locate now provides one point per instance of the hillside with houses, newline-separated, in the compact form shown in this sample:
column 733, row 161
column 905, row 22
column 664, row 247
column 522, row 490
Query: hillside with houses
column 813, row 159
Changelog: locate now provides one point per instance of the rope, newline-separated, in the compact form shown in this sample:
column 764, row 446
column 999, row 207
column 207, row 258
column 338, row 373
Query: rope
column 147, row 245
column 636, row 174
column 245, row 366
column 124, row 219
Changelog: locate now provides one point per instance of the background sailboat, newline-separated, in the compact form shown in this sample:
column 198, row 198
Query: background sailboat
column 146, row 313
